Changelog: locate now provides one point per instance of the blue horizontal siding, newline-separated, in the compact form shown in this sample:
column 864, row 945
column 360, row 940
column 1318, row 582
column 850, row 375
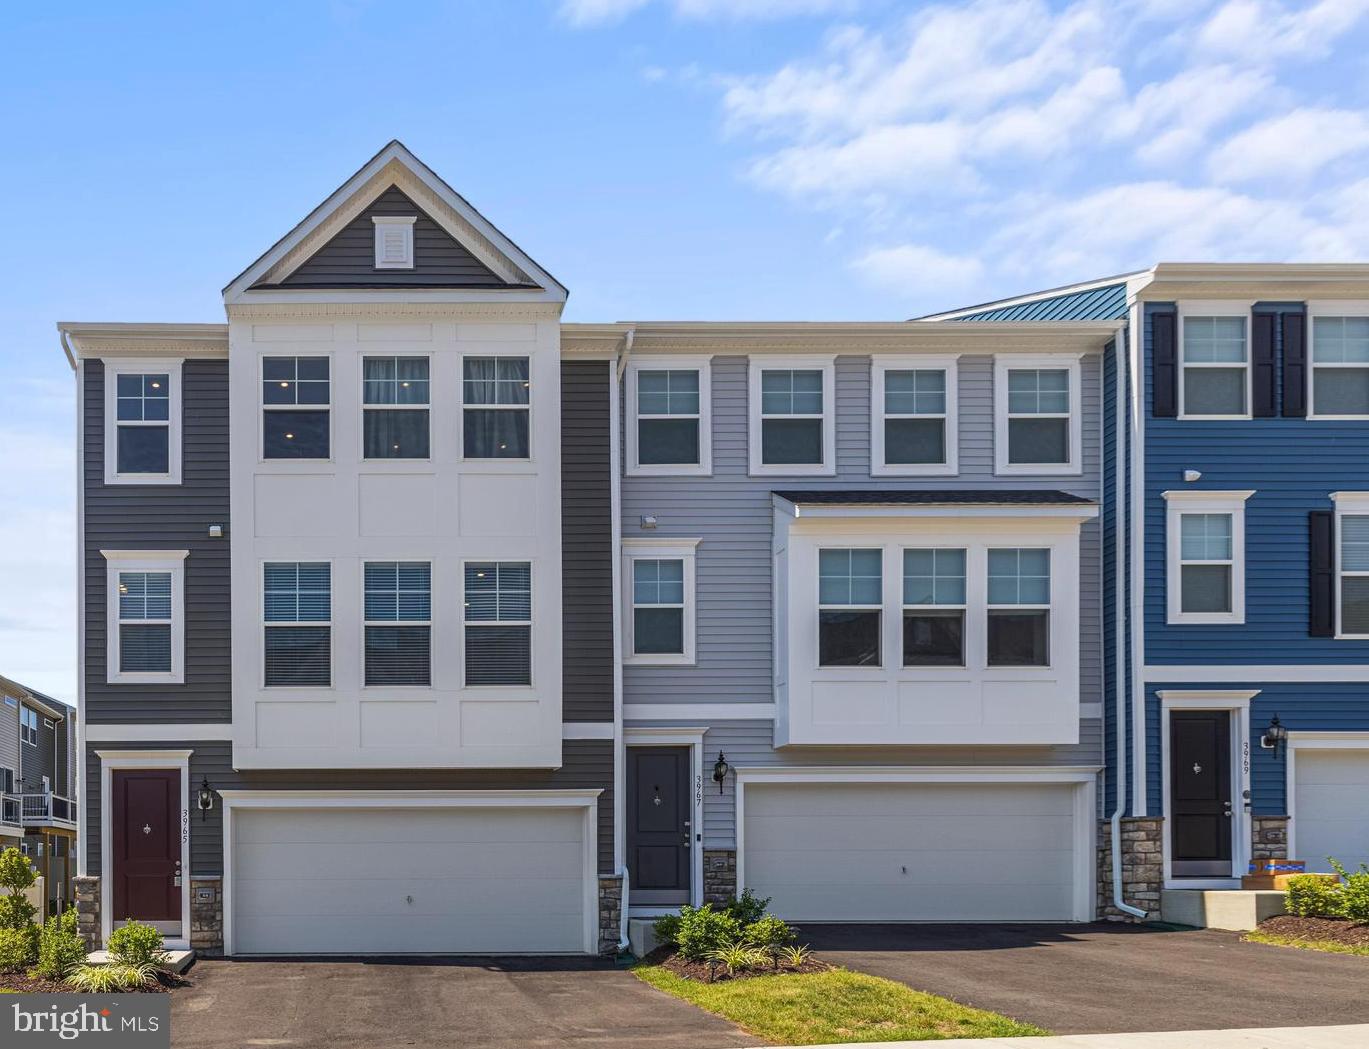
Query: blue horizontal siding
column 1301, row 707
column 1108, row 302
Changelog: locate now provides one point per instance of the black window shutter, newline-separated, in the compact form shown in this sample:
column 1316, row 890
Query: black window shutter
column 1322, row 574
column 1294, row 365
column 1164, row 365
column 1262, row 359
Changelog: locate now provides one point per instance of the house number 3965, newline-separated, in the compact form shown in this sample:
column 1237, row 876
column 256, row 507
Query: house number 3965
column 185, row 826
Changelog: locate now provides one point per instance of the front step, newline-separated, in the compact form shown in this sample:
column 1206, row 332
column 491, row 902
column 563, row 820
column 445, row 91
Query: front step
column 1237, row 910
column 641, row 937
column 179, row 963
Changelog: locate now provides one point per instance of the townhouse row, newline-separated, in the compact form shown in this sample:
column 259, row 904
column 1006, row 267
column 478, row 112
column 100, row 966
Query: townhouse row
column 414, row 619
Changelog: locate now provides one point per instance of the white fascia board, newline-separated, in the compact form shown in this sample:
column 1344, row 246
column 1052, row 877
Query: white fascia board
column 410, row 799
column 1077, row 512
column 922, row 774
column 162, row 732
column 1271, row 673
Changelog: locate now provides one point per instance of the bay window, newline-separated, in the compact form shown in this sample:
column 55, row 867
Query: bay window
column 850, row 603
column 1019, row 608
column 934, row 600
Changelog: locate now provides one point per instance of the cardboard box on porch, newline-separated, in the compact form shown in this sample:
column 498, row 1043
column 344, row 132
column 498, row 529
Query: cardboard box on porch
column 1277, row 865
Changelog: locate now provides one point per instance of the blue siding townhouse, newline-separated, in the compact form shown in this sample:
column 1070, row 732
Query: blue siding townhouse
column 1236, row 545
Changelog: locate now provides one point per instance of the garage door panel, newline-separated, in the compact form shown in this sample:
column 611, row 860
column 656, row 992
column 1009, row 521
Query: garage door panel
column 444, row 881
column 913, row 851
column 1331, row 799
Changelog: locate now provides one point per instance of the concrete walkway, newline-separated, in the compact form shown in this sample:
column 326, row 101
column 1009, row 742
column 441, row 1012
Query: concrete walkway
column 1353, row 1036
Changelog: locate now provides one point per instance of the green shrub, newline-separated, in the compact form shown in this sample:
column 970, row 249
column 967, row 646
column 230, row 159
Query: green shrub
column 18, row 934
column 769, row 934
column 137, row 944
column 1308, row 896
column 17, row 949
column 107, row 979
column 703, row 930
column 738, row 958
column 1354, row 893
column 748, row 907
column 60, row 947
column 667, row 928
column 796, row 956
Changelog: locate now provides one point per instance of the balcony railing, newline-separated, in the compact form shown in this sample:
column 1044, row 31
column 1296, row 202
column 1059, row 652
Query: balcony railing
column 11, row 807
column 48, row 808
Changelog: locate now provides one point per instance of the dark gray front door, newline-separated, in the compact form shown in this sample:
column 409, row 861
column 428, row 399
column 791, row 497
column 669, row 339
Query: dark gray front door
column 1200, row 793
column 658, row 826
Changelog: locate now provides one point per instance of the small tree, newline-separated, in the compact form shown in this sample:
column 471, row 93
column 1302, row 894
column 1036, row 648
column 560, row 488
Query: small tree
column 17, row 929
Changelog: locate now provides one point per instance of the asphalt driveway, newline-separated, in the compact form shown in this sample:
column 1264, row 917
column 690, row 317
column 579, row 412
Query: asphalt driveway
column 1107, row 978
column 473, row 1003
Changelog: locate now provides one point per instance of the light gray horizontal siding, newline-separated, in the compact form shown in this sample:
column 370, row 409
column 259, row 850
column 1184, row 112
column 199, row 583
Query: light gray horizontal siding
column 587, row 764
column 9, row 734
column 747, row 744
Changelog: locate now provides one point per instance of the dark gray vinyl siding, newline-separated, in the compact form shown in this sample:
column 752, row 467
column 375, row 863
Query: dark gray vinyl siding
column 586, row 542
column 164, row 517
column 9, row 733
column 348, row 260
column 37, row 762
column 588, row 764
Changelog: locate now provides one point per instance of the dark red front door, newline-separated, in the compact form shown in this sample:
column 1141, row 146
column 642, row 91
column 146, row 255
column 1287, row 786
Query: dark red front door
column 146, row 846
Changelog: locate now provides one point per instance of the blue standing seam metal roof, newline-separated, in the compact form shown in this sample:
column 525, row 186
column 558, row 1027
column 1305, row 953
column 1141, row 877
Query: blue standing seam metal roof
column 1108, row 302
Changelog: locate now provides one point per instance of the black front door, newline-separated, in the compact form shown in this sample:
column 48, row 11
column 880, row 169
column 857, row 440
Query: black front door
column 1200, row 793
column 658, row 825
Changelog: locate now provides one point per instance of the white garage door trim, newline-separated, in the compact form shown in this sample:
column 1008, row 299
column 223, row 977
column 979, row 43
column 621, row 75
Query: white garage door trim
column 1311, row 741
column 1084, row 778
column 585, row 800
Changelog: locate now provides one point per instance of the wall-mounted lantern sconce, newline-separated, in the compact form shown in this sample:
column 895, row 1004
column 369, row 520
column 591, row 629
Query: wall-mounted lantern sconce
column 1274, row 736
column 720, row 771
column 206, row 798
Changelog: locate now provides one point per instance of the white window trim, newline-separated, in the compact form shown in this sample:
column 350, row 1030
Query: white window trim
column 263, row 408
column 963, row 608
column 1218, row 308
column 1178, row 503
column 265, row 623
column 1351, row 504
column 172, row 561
column 703, row 364
column 432, row 663
column 1048, row 607
column 383, row 223
column 530, row 622
column 949, row 364
column 426, row 406
column 693, row 738
column 1328, row 309
column 826, row 364
column 533, row 379
column 25, row 712
column 819, row 608
column 114, row 367
column 1003, row 363
column 662, row 549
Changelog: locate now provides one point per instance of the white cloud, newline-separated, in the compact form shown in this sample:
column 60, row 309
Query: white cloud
column 1292, row 146
column 1170, row 121
column 1261, row 31
column 919, row 269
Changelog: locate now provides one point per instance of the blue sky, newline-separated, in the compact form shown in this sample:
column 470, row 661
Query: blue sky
column 666, row 159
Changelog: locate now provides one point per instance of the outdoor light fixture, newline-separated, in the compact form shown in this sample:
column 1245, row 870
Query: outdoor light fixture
column 720, row 770
column 206, row 798
column 1274, row 736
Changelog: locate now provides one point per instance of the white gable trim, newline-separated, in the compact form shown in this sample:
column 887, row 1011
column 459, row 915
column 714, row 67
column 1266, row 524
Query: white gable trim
column 395, row 165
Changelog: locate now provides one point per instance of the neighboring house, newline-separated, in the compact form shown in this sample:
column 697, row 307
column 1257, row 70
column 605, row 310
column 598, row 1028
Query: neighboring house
column 38, row 785
column 1246, row 728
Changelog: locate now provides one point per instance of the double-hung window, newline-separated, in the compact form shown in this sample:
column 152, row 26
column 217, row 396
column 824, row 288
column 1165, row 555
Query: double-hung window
column 142, row 422
column 1037, row 426
column 399, row 623
column 1353, row 563
column 28, row 726
column 394, row 397
column 496, row 395
column 1340, row 367
column 913, row 424
column 145, row 616
column 934, row 600
column 792, row 427
column 1205, row 556
column 658, row 579
column 1019, row 607
column 295, row 399
column 1216, row 373
column 297, row 609
column 498, row 613
column 850, row 607
column 669, row 417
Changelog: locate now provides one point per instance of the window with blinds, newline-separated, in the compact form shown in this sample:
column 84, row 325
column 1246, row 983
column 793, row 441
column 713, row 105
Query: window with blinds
column 145, row 622
column 498, row 611
column 398, row 610
column 495, row 394
column 298, row 611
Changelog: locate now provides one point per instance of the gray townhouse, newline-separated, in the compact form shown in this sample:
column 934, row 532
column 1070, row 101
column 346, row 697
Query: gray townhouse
column 414, row 619
column 38, row 786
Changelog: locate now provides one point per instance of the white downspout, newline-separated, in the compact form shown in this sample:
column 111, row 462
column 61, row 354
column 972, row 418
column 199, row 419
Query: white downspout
column 616, row 533
column 79, row 772
column 1121, row 582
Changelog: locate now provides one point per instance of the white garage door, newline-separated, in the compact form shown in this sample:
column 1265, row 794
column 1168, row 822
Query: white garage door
column 912, row 852
column 380, row 881
column 1331, row 807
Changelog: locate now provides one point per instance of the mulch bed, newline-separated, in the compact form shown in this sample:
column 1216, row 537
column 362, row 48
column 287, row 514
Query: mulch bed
column 1335, row 930
column 703, row 972
column 41, row 985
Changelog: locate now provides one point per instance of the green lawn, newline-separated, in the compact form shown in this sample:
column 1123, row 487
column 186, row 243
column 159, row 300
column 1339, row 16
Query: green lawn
column 1330, row 946
column 834, row 1006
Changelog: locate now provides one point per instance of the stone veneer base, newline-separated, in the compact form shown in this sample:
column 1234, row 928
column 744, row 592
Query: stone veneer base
column 720, row 875
column 1142, row 867
column 610, row 913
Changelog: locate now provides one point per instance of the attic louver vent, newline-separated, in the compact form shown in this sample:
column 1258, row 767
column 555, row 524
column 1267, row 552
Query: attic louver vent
column 394, row 241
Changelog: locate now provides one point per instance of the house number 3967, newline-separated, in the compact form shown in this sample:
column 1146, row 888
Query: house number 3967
column 698, row 789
